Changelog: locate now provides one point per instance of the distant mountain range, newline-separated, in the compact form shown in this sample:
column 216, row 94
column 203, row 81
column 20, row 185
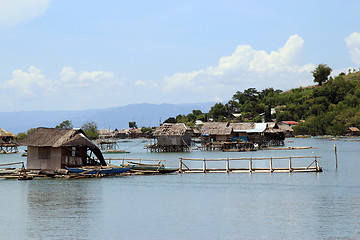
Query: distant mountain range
column 146, row 115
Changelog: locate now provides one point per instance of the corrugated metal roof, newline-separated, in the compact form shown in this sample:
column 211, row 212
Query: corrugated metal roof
column 259, row 128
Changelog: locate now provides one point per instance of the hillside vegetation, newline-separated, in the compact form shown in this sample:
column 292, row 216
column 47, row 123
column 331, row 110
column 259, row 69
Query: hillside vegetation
column 325, row 109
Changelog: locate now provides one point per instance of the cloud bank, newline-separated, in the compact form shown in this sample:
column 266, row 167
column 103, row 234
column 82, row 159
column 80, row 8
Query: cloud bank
column 71, row 90
column 245, row 68
column 353, row 44
column 13, row 12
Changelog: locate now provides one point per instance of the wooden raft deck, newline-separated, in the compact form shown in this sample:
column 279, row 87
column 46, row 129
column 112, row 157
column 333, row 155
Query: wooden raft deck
column 313, row 166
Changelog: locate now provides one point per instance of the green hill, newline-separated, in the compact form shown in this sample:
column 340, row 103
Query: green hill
column 328, row 109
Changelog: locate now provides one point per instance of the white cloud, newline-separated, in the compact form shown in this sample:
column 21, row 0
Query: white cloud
column 353, row 44
column 28, row 83
column 146, row 83
column 13, row 12
column 71, row 78
column 246, row 68
column 72, row 89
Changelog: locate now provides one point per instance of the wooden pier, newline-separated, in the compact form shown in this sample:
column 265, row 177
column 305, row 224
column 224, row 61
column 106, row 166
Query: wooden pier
column 312, row 165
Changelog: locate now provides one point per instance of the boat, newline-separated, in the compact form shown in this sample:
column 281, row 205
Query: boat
column 115, row 151
column 6, row 171
column 150, row 167
column 106, row 170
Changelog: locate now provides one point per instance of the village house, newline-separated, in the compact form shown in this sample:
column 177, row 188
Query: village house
column 352, row 131
column 7, row 143
column 172, row 137
column 135, row 133
column 215, row 135
column 54, row 148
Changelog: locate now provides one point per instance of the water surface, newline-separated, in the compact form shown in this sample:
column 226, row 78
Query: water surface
column 192, row 206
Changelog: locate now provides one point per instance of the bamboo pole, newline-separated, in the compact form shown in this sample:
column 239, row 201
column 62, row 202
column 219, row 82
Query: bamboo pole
column 180, row 166
column 290, row 169
column 336, row 160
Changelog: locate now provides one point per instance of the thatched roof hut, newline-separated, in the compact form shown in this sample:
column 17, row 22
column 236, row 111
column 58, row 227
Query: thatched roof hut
column 55, row 148
column 173, row 137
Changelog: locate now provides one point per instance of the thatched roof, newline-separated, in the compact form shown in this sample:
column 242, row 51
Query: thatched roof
column 57, row 137
column 174, row 129
column 353, row 129
column 242, row 127
column 216, row 128
column 4, row 133
column 52, row 137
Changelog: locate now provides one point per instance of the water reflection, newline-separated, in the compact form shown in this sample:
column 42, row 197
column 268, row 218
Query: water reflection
column 61, row 208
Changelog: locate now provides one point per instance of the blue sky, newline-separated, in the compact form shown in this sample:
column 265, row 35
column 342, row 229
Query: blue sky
column 77, row 54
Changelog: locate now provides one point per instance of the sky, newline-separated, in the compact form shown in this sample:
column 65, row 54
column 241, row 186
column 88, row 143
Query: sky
column 77, row 54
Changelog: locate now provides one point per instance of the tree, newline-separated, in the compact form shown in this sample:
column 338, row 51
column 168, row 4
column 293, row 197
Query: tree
column 90, row 129
column 321, row 73
column 132, row 125
column 65, row 125
column 170, row 120
column 218, row 111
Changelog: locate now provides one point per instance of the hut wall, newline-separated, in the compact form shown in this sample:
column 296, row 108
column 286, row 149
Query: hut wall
column 72, row 161
column 43, row 158
column 220, row 138
column 169, row 140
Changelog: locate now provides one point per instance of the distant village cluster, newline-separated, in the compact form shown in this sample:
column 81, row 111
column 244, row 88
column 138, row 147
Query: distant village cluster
column 225, row 136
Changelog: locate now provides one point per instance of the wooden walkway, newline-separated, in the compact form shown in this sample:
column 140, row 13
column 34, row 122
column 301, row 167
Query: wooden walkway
column 311, row 166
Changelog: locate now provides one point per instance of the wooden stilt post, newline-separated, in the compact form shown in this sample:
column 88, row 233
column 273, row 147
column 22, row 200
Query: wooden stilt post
column 180, row 166
column 271, row 165
column 204, row 165
column 336, row 156
column 227, row 165
column 290, row 167
column 250, row 165
column 317, row 165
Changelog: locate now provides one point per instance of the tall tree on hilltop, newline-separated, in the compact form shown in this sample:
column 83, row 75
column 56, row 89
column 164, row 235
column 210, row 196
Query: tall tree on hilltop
column 321, row 73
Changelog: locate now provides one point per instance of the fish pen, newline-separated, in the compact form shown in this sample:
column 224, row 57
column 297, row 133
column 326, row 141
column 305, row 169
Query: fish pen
column 249, row 164
column 8, row 148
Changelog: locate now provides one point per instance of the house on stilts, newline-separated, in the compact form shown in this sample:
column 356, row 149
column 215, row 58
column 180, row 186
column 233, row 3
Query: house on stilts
column 54, row 148
column 7, row 144
column 240, row 136
column 171, row 137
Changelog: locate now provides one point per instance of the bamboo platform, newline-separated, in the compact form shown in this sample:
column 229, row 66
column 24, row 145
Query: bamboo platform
column 312, row 167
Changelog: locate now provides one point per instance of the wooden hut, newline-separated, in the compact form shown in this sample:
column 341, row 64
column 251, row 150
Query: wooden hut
column 216, row 131
column 352, row 131
column 55, row 148
column 172, row 138
column 274, row 135
column 7, row 144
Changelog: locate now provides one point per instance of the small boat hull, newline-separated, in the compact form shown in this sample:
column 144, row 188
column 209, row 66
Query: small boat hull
column 106, row 171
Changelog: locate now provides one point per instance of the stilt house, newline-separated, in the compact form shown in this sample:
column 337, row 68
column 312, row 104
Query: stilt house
column 7, row 144
column 55, row 148
column 172, row 137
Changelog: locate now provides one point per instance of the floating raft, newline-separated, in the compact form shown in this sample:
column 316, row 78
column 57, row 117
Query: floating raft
column 312, row 167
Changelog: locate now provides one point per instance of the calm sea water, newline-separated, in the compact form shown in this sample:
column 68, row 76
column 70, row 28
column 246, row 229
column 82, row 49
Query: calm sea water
column 192, row 206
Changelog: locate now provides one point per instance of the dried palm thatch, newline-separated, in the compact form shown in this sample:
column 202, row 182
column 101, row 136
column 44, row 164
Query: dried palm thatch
column 172, row 129
column 4, row 133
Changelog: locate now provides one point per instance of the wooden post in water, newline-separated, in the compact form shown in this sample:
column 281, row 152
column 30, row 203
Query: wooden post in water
column 317, row 164
column 336, row 156
column 250, row 165
column 204, row 165
column 180, row 165
column 227, row 165
column 290, row 168
column 271, row 167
